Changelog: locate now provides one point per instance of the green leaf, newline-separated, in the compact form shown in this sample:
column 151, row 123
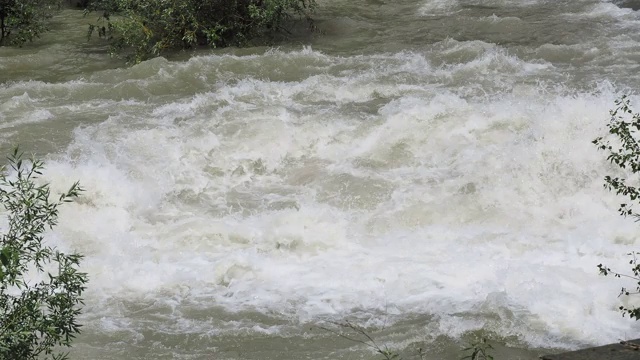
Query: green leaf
column 27, row 330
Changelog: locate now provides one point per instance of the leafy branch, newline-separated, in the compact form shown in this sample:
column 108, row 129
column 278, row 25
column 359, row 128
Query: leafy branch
column 36, row 317
column 624, row 152
column 362, row 337
column 479, row 350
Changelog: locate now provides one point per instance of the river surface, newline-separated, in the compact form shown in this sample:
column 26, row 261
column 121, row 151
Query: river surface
column 423, row 168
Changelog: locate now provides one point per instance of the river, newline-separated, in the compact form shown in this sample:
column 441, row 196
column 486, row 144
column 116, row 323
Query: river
column 423, row 168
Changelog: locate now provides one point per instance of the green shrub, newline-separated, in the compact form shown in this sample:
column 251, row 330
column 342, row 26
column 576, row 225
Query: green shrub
column 40, row 287
column 624, row 152
column 23, row 21
column 151, row 27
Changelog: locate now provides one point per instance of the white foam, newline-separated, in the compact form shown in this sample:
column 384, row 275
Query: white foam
column 370, row 182
column 439, row 7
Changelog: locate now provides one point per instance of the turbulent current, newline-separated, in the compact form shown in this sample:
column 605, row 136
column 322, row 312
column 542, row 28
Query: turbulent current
column 423, row 168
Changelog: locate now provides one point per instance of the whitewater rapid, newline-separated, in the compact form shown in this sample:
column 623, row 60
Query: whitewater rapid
column 453, row 182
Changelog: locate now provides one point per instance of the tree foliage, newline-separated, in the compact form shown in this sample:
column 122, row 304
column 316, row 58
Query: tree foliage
column 150, row 27
column 623, row 148
column 23, row 21
column 40, row 287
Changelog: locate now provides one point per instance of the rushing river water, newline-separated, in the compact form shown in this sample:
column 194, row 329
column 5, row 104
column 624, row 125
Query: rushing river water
column 422, row 167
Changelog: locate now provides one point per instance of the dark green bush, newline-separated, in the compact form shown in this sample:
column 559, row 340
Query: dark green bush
column 23, row 21
column 149, row 27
